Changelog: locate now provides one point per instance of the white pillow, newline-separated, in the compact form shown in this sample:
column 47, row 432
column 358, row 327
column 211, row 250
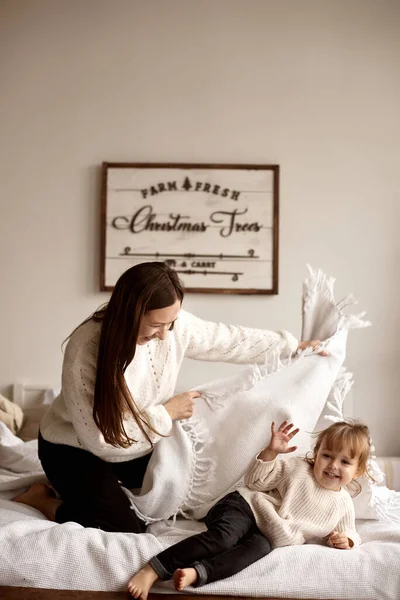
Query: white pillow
column 366, row 502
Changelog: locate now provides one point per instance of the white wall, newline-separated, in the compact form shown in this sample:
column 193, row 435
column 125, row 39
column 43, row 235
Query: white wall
column 312, row 85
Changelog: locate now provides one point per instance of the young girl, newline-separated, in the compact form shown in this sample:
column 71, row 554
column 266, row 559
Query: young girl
column 285, row 502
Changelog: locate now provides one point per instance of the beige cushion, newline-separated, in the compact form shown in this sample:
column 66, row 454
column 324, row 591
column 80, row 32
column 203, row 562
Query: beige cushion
column 32, row 418
column 11, row 414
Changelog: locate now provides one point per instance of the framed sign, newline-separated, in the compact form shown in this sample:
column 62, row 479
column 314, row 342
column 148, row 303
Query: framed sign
column 216, row 225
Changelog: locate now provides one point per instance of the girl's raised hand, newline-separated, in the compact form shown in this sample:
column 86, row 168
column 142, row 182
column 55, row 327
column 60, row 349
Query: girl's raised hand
column 280, row 439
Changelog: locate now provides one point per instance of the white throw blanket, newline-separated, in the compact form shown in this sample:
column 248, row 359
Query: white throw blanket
column 69, row 556
column 206, row 457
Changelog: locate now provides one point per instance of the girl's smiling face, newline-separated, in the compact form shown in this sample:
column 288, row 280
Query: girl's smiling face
column 334, row 469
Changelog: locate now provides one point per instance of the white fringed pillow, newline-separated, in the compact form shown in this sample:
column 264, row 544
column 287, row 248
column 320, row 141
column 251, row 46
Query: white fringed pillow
column 207, row 456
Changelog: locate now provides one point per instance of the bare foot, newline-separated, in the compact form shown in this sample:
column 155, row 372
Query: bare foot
column 184, row 577
column 40, row 496
column 140, row 584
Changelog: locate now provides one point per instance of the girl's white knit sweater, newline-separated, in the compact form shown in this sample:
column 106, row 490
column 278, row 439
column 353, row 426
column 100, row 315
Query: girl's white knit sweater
column 290, row 507
column 151, row 378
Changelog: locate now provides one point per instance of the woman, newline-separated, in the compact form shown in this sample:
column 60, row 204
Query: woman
column 119, row 374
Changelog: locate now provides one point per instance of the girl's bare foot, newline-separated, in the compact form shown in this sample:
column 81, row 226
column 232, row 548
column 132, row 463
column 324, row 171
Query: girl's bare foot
column 140, row 584
column 184, row 577
column 40, row 496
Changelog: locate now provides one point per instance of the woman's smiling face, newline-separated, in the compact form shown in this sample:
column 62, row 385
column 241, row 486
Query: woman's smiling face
column 156, row 323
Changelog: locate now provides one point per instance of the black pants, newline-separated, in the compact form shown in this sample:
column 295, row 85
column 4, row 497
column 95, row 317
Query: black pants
column 90, row 488
column 232, row 543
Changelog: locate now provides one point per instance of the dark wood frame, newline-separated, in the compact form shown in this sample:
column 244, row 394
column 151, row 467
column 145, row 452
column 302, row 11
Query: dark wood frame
column 275, row 264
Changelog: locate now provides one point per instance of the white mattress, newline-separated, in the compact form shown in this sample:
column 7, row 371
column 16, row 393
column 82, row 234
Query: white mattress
column 38, row 553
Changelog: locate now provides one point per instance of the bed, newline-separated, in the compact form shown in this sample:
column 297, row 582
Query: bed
column 42, row 560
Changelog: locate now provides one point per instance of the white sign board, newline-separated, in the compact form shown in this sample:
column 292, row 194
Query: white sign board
column 216, row 225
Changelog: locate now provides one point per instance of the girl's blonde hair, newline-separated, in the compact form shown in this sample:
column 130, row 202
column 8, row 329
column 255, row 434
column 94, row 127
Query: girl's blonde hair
column 354, row 436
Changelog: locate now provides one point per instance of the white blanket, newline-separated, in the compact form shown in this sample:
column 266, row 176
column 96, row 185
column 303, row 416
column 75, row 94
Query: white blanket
column 206, row 456
column 71, row 557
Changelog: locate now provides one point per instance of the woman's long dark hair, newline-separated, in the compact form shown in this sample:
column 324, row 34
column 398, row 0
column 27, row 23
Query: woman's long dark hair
column 142, row 288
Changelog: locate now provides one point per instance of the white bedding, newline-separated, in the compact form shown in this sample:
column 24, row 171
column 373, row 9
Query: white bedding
column 38, row 553
column 35, row 552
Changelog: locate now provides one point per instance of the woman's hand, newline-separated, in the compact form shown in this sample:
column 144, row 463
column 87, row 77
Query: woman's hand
column 279, row 443
column 314, row 344
column 181, row 406
column 339, row 540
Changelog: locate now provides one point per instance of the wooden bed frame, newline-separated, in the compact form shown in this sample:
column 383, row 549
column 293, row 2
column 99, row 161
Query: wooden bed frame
column 26, row 593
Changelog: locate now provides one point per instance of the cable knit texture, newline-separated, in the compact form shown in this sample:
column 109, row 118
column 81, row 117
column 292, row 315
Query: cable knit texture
column 290, row 507
column 151, row 378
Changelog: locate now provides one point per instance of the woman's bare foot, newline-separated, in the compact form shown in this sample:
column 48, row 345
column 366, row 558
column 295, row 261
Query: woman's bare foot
column 184, row 577
column 140, row 584
column 40, row 496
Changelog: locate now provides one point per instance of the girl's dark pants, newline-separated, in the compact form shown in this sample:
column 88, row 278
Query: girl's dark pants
column 90, row 488
column 231, row 543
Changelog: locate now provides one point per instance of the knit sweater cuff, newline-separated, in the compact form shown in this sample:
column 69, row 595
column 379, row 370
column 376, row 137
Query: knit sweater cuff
column 260, row 468
column 264, row 464
column 353, row 537
column 160, row 420
column 290, row 344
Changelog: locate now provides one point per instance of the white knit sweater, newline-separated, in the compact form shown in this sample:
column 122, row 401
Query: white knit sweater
column 290, row 507
column 151, row 378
